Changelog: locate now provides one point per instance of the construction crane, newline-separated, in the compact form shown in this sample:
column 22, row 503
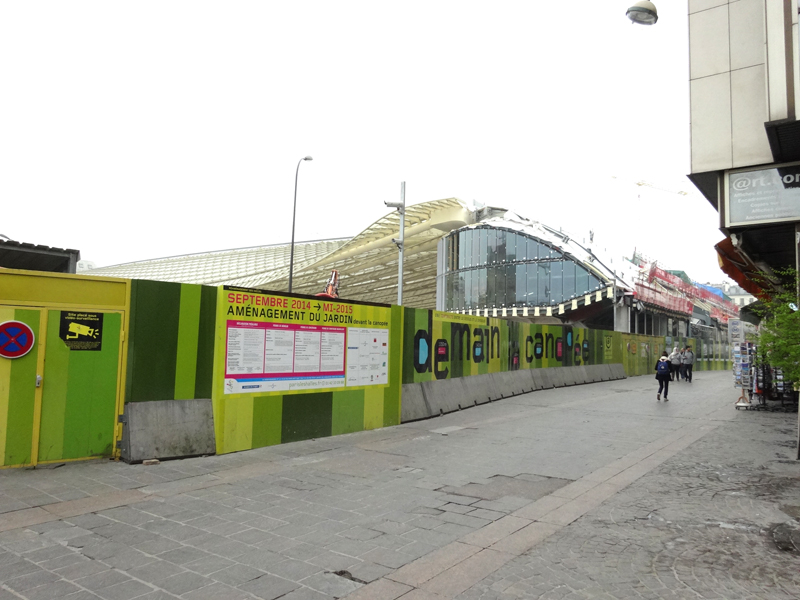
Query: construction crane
column 332, row 287
column 656, row 186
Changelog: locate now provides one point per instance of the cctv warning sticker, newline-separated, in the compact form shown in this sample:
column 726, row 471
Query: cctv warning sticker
column 81, row 330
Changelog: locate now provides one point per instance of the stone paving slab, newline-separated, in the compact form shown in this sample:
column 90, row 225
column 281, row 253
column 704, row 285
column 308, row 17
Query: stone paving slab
column 607, row 494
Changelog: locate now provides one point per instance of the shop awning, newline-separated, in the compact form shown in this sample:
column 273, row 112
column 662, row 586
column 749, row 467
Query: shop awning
column 740, row 268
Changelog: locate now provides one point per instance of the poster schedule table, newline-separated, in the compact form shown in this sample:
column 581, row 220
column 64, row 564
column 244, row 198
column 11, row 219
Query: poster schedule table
column 282, row 357
column 277, row 344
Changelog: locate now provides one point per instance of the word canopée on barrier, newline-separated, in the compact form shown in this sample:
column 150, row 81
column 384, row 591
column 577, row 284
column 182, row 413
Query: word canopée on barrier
column 482, row 343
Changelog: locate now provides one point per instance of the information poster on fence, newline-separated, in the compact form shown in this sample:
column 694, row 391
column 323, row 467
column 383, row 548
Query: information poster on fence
column 279, row 343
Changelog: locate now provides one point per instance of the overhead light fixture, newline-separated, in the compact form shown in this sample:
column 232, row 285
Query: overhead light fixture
column 643, row 13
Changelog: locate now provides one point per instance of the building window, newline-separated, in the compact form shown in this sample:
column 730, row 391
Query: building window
column 488, row 267
column 569, row 279
column 483, row 245
column 521, row 275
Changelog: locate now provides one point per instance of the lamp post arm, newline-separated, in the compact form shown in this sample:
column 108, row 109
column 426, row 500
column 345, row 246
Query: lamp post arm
column 294, row 214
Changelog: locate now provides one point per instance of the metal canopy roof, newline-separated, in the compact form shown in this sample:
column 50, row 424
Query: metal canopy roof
column 367, row 263
column 242, row 266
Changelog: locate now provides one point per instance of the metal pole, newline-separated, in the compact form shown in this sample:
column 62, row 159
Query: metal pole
column 614, row 302
column 402, row 210
column 797, row 291
column 401, row 207
column 294, row 213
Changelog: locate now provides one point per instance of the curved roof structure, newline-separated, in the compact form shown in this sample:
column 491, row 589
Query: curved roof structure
column 507, row 265
column 367, row 263
column 248, row 267
column 565, row 244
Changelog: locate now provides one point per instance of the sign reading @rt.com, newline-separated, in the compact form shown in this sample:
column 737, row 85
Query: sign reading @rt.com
column 764, row 196
column 281, row 343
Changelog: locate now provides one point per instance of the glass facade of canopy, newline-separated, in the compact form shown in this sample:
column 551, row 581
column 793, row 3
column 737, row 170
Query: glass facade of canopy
column 492, row 267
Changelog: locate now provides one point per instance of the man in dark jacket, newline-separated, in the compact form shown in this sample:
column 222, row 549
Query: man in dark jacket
column 662, row 375
column 688, row 364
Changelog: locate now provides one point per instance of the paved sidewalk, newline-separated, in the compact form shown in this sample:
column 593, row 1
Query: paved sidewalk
column 594, row 491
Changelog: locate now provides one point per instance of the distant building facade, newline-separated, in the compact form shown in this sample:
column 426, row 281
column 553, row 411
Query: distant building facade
column 739, row 296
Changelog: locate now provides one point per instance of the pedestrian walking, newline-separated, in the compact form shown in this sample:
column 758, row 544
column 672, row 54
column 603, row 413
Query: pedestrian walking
column 675, row 364
column 682, row 369
column 663, row 368
column 688, row 364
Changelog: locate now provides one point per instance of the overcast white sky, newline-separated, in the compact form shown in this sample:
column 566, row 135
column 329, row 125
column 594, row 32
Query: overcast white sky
column 146, row 129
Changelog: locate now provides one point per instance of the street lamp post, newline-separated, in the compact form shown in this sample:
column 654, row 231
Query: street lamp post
column 294, row 214
column 401, row 207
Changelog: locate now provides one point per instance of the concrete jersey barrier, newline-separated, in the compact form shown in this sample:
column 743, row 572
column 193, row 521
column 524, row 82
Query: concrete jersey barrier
column 434, row 398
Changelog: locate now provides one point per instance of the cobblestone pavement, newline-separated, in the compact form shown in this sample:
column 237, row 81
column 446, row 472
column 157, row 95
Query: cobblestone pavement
column 595, row 491
column 698, row 526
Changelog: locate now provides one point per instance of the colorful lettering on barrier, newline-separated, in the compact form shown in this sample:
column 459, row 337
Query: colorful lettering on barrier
column 441, row 345
column 483, row 341
column 472, row 337
column 541, row 346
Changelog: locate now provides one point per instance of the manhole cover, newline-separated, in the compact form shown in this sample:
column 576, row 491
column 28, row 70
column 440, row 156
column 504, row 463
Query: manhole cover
column 787, row 537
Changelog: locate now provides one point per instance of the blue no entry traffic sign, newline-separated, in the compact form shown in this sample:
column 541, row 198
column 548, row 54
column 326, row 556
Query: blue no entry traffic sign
column 16, row 339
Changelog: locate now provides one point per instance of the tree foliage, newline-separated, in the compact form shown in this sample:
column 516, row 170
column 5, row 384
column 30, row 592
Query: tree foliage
column 779, row 332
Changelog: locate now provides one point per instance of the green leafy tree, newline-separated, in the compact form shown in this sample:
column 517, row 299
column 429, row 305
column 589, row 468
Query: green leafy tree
column 779, row 332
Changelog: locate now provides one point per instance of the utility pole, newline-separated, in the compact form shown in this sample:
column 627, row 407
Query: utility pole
column 614, row 301
column 401, row 207
column 797, row 292
column 294, row 214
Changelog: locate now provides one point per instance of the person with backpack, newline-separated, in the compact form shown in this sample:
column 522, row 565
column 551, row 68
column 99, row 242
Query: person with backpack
column 663, row 369
column 688, row 364
column 675, row 365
